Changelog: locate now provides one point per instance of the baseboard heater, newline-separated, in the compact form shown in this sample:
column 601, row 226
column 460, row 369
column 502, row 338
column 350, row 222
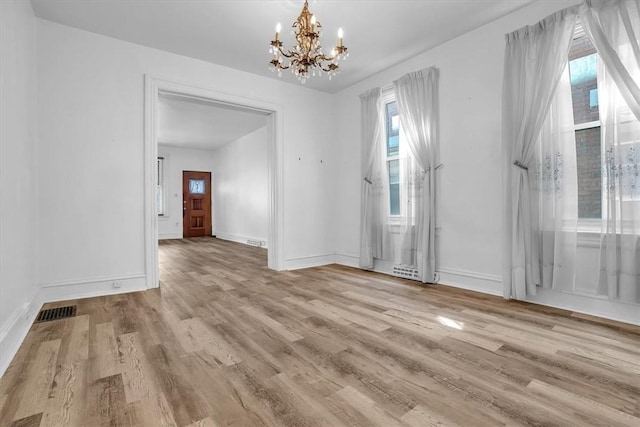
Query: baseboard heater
column 405, row 272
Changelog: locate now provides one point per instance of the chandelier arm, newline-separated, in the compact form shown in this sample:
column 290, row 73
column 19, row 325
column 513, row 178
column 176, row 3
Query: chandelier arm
column 287, row 55
column 324, row 57
column 329, row 69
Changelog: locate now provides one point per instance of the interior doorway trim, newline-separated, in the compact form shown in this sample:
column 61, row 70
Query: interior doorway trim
column 153, row 87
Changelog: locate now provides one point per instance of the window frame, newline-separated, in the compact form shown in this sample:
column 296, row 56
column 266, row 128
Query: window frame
column 161, row 187
column 588, row 225
column 388, row 97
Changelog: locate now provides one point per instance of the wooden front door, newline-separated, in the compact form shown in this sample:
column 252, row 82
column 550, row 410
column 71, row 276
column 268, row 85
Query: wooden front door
column 196, row 204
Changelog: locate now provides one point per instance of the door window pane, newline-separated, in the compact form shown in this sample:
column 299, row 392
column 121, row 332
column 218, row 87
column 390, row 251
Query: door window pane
column 196, row 186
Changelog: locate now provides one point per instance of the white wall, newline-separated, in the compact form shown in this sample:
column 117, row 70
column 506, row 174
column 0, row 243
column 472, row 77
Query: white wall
column 91, row 150
column 177, row 160
column 469, row 193
column 18, row 183
column 240, row 189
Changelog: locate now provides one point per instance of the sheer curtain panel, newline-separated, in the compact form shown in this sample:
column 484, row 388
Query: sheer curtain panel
column 417, row 96
column 372, row 186
column 555, row 191
column 535, row 58
column 614, row 28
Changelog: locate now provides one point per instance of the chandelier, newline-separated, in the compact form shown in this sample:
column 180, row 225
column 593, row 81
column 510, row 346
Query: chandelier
column 306, row 59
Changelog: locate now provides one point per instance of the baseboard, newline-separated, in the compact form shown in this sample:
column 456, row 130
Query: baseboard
column 347, row 259
column 470, row 280
column 591, row 305
column 309, row 261
column 463, row 279
column 15, row 329
column 169, row 236
column 240, row 239
column 93, row 287
column 492, row 285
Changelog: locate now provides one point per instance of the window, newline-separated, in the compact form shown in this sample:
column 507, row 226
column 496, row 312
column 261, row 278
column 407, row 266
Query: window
column 160, row 190
column 596, row 164
column 196, row 186
column 392, row 145
column 583, row 69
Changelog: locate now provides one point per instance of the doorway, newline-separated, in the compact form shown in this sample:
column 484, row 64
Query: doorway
column 153, row 88
column 196, row 204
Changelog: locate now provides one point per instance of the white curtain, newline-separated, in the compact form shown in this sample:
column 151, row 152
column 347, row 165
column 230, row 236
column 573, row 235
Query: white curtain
column 417, row 97
column 371, row 209
column 614, row 27
column 412, row 179
column 535, row 59
column 555, row 195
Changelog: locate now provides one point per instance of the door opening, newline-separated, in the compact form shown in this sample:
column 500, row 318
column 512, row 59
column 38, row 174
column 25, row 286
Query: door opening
column 274, row 112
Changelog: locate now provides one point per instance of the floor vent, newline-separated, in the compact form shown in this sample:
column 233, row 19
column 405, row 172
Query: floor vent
column 406, row 272
column 56, row 313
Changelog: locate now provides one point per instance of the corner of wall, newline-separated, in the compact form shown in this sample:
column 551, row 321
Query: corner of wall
column 18, row 139
column 15, row 329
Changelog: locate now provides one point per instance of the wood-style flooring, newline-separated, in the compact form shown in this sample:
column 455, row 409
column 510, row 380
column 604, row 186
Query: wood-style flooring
column 227, row 342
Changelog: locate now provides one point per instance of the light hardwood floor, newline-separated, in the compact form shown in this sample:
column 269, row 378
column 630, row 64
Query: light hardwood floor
column 225, row 341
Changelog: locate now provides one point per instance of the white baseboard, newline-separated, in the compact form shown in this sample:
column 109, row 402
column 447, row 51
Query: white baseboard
column 15, row 329
column 309, row 261
column 470, row 280
column 591, row 305
column 347, row 259
column 93, row 287
column 168, row 236
column 463, row 279
column 240, row 239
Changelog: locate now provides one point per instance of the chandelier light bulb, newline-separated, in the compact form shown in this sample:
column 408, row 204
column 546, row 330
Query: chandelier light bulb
column 278, row 28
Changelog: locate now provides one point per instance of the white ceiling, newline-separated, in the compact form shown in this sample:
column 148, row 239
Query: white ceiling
column 193, row 123
column 236, row 33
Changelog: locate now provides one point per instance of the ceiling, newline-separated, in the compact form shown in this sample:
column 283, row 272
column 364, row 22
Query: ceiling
column 194, row 123
column 236, row 33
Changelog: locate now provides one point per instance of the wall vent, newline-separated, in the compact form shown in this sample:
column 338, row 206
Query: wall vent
column 56, row 313
column 406, row 272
